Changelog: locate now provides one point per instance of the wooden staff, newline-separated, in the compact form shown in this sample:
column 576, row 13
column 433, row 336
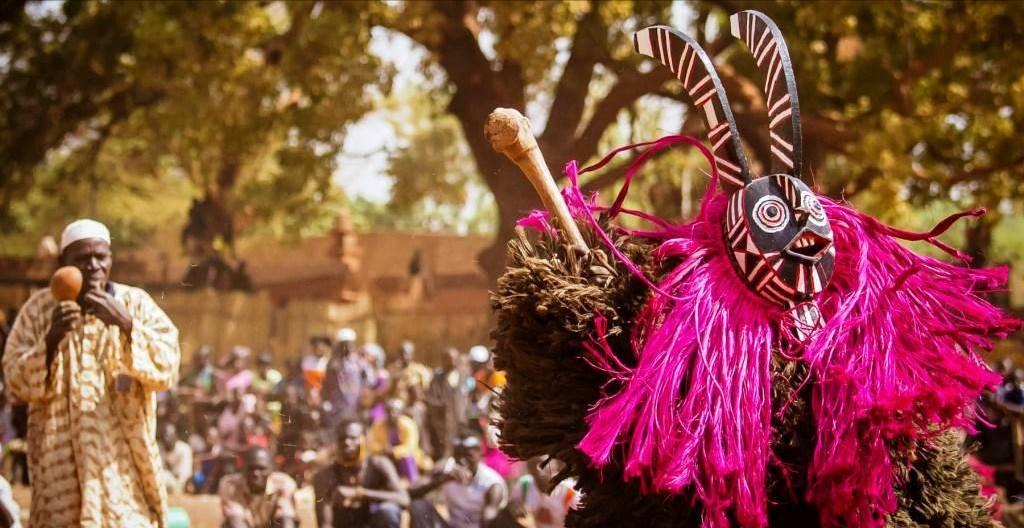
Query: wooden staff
column 510, row 133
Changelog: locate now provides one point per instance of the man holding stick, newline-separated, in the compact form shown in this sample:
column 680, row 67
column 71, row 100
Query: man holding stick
column 89, row 369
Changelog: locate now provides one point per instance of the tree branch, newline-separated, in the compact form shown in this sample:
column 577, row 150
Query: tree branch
column 588, row 48
column 629, row 88
column 275, row 46
column 617, row 171
column 959, row 176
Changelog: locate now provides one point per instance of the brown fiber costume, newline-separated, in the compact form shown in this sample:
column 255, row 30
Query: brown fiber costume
column 545, row 306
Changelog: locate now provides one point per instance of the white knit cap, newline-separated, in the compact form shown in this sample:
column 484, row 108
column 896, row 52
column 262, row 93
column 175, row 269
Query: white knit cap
column 345, row 335
column 479, row 354
column 81, row 230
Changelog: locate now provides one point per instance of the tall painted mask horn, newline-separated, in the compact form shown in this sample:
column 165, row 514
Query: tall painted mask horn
column 778, row 236
column 694, row 69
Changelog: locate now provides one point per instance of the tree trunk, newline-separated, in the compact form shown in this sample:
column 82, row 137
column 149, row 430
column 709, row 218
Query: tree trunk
column 512, row 192
column 479, row 89
column 978, row 239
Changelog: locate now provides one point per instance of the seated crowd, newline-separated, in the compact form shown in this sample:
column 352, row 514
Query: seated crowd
column 376, row 440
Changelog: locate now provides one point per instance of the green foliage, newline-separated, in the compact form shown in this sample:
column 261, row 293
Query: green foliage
column 129, row 110
column 246, row 103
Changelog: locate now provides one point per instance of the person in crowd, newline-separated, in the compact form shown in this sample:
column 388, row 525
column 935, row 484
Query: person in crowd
column 177, row 457
column 375, row 395
column 49, row 362
column 447, row 401
column 229, row 421
column 410, row 377
column 255, row 431
column 397, row 437
column 487, row 382
column 348, row 376
column 1012, row 392
column 236, row 374
column 200, row 379
column 483, row 392
column 314, row 363
column 10, row 512
column 266, row 376
column 292, row 377
column 410, row 381
column 296, row 419
column 258, row 496
column 530, row 493
column 358, row 489
column 474, row 494
column 214, row 462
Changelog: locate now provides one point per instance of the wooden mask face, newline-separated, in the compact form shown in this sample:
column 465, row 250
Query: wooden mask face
column 780, row 239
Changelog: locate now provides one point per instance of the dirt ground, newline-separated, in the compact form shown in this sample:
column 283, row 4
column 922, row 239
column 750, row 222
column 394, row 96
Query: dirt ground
column 203, row 510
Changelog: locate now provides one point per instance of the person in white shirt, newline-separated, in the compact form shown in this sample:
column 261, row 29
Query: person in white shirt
column 10, row 512
column 177, row 458
column 474, row 494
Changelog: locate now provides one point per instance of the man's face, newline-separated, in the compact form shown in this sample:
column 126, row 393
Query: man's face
column 203, row 358
column 93, row 258
column 451, row 359
column 212, row 436
column 350, row 443
column 291, row 395
column 406, row 353
column 468, row 457
column 257, row 471
column 395, row 409
column 168, row 436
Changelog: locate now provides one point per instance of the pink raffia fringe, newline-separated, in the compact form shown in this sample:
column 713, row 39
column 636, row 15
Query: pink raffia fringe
column 897, row 360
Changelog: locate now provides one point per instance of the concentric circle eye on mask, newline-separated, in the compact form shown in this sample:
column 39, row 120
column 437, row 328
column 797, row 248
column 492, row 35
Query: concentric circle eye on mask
column 771, row 214
column 812, row 205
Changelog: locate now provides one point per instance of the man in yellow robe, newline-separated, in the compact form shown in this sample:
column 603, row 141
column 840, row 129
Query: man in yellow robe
column 89, row 371
column 398, row 437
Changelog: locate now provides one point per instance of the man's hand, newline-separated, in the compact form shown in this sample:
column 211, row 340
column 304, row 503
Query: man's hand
column 104, row 306
column 348, row 496
column 461, row 475
column 65, row 316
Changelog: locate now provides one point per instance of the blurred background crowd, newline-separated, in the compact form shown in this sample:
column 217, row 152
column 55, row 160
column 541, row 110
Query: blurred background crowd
column 998, row 444
column 429, row 426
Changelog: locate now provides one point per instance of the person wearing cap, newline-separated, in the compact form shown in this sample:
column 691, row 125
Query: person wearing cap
column 89, row 370
column 474, row 494
column 348, row 376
